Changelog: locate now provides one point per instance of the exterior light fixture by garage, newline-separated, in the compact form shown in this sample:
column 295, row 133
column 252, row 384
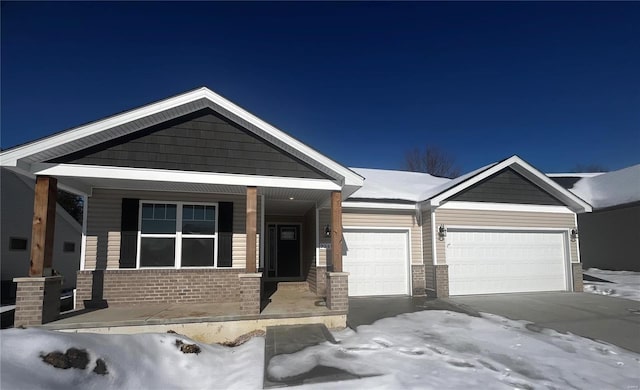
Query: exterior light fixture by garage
column 327, row 231
column 291, row 198
column 442, row 232
column 574, row 234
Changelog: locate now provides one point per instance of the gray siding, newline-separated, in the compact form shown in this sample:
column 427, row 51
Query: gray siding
column 610, row 239
column 506, row 186
column 201, row 142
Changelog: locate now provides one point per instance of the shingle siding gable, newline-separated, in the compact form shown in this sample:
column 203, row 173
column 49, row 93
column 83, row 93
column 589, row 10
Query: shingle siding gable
column 203, row 142
column 506, row 186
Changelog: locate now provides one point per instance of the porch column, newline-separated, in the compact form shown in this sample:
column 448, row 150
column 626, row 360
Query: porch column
column 38, row 296
column 251, row 228
column 336, row 230
column 43, row 226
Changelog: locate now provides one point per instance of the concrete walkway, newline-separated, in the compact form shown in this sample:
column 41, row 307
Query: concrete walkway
column 614, row 320
column 289, row 339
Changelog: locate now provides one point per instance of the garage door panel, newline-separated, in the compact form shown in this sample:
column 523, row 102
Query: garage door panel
column 484, row 262
column 377, row 262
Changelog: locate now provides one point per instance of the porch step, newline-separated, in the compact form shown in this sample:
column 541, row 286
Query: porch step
column 287, row 339
column 293, row 286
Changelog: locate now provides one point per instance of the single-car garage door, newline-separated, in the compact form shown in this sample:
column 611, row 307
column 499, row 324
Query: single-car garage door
column 485, row 262
column 377, row 262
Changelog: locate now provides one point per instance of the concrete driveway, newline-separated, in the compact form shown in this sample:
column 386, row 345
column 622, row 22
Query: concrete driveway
column 614, row 320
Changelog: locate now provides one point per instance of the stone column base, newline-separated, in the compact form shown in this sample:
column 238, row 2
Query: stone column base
column 576, row 269
column 338, row 291
column 437, row 280
column 250, row 286
column 37, row 300
column 417, row 280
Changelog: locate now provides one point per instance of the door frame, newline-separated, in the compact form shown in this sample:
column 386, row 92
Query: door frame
column 383, row 229
column 268, row 253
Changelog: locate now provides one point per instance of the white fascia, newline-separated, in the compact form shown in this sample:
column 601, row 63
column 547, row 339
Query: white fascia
column 163, row 175
column 524, row 169
column 378, row 205
column 487, row 206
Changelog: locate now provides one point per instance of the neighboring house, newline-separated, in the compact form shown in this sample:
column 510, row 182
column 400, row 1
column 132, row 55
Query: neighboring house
column 17, row 217
column 170, row 206
column 610, row 235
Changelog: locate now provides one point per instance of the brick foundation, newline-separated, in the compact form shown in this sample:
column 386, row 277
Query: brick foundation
column 37, row 300
column 144, row 286
column 418, row 281
column 250, row 286
column 317, row 279
column 576, row 269
column 437, row 280
column 337, row 291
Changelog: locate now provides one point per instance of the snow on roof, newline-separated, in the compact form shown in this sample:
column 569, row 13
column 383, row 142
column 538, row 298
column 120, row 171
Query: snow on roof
column 430, row 193
column 611, row 188
column 576, row 174
column 396, row 185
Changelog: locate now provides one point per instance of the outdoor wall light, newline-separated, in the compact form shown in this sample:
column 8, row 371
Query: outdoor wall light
column 442, row 232
column 574, row 234
column 327, row 231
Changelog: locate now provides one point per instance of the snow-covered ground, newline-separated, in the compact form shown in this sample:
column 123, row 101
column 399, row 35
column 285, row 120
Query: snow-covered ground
column 624, row 284
column 426, row 350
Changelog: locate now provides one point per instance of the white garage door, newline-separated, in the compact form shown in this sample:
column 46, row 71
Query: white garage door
column 485, row 262
column 377, row 262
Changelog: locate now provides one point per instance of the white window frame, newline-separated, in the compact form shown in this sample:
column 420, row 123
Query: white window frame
column 178, row 236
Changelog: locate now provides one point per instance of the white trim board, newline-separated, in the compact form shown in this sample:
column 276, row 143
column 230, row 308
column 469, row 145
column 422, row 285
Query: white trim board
column 378, row 205
column 166, row 175
column 456, row 205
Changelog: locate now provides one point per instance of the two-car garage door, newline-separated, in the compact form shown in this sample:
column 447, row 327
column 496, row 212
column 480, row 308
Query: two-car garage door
column 377, row 261
column 486, row 262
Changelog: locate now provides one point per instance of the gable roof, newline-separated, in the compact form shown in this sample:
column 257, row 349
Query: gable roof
column 610, row 189
column 388, row 185
column 437, row 196
column 128, row 122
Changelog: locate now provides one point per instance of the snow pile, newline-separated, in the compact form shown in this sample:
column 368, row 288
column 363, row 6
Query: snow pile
column 448, row 350
column 397, row 185
column 624, row 284
column 426, row 350
column 143, row 361
column 610, row 189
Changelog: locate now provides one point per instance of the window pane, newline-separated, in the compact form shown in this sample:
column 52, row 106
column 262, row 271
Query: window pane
column 198, row 213
column 187, row 212
column 158, row 211
column 157, row 252
column 210, row 213
column 150, row 226
column 171, row 211
column 158, row 218
column 197, row 252
column 198, row 219
column 147, row 211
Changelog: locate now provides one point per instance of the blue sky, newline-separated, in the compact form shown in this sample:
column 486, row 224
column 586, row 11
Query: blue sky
column 556, row 83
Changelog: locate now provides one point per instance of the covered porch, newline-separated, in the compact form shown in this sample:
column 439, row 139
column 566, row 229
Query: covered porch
column 252, row 279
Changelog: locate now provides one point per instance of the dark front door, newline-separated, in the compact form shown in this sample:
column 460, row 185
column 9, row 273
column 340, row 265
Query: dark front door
column 284, row 251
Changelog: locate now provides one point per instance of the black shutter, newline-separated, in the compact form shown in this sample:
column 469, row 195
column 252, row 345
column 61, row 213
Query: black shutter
column 225, row 233
column 129, row 233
